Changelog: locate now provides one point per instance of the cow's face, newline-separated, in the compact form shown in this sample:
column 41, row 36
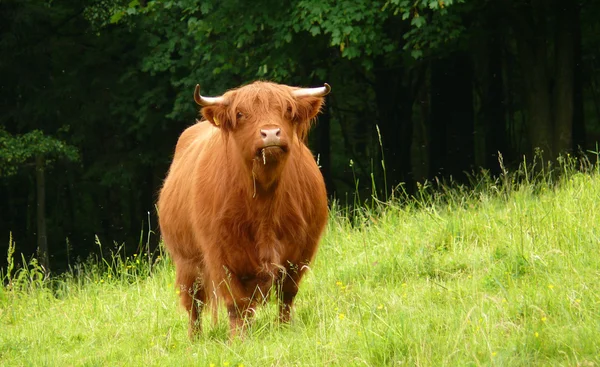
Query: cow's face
column 266, row 121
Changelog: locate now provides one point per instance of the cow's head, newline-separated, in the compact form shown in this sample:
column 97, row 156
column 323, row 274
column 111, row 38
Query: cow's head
column 266, row 121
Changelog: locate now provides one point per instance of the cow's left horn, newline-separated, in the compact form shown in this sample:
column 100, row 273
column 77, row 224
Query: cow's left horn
column 206, row 101
column 312, row 92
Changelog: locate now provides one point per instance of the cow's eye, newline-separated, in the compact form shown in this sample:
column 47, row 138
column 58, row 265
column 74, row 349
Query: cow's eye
column 239, row 115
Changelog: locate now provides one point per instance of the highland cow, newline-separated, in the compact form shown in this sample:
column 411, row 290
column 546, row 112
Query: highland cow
column 244, row 205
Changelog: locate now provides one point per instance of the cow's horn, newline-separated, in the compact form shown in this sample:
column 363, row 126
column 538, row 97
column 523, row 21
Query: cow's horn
column 313, row 92
column 206, row 101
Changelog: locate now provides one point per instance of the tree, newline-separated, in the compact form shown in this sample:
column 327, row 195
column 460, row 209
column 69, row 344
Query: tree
column 40, row 151
column 545, row 34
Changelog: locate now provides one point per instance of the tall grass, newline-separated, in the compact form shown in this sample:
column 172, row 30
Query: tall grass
column 501, row 272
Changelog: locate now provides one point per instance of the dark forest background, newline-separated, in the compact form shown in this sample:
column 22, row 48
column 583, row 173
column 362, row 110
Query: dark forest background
column 94, row 94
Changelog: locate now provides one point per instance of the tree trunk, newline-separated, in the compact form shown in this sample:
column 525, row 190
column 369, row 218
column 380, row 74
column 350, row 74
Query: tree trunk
column 420, row 161
column 438, row 121
column 563, row 88
column 324, row 148
column 537, row 99
column 452, row 127
column 497, row 140
column 531, row 40
column 42, row 239
column 394, row 107
column 579, row 138
column 490, row 127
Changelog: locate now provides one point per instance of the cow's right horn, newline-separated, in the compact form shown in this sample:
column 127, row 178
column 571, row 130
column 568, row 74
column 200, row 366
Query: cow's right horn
column 206, row 101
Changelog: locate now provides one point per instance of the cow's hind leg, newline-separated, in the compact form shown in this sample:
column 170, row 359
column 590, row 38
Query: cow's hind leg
column 243, row 295
column 192, row 293
column 287, row 288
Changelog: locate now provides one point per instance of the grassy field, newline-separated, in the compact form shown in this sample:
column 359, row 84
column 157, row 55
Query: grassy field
column 503, row 274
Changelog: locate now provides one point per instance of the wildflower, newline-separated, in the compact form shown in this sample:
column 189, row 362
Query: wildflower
column 404, row 284
column 494, row 354
column 341, row 316
column 544, row 319
column 504, row 300
column 536, row 334
column 380, row 307
column 109, row 276
column 338, row 283
column 550, row 286
column 101, row 280
column 241, row 365
column 578, row 300
column 225, row 363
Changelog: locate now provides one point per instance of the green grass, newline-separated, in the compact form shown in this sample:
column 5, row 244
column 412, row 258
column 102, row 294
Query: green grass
column 507, row 274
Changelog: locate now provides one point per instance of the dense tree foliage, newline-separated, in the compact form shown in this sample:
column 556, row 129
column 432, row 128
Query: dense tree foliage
column 94, row 95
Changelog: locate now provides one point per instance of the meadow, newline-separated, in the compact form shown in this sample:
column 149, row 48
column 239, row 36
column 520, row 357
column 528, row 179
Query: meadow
column 505, row 272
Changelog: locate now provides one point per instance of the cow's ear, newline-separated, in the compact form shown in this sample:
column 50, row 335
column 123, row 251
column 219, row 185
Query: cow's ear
column 307, row 109
column 216, row 115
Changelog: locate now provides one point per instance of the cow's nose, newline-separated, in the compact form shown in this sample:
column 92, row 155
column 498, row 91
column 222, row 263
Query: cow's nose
column 270, row 136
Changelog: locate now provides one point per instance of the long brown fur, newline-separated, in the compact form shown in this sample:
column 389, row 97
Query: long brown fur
column 236, row 223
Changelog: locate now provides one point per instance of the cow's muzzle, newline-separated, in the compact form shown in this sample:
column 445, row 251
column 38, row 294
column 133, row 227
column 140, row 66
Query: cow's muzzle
column 271, row 137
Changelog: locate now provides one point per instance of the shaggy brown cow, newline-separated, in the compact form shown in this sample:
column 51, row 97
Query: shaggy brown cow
column 244, row 204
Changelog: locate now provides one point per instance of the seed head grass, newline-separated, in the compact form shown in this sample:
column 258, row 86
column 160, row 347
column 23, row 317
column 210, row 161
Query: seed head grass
column 505, row 274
